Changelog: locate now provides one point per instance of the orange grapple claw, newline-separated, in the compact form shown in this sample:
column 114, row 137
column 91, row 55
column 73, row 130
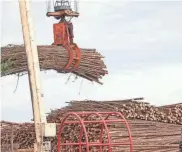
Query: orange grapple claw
column 78, row 56
column 71, row 56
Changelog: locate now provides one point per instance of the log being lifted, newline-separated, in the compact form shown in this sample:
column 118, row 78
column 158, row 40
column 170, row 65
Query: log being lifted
column 91, row 67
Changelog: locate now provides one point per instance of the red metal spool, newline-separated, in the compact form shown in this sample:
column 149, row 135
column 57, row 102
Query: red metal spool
column 109, row 125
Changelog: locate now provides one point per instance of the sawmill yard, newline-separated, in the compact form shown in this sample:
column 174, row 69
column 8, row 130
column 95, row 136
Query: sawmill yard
column 153, row 128
column 142, row 45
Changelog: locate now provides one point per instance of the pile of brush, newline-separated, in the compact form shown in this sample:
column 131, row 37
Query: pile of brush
column 91, row 67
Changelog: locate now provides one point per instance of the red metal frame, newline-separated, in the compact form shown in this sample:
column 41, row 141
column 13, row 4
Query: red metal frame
column 81, row 119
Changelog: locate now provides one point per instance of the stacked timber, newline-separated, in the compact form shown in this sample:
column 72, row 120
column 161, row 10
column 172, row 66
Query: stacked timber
column 161, row 131
column 147, row 136
column 130, row 108
column 91, row 66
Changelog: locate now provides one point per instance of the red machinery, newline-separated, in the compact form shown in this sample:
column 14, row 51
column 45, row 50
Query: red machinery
column 105, row 123
column 63, row 35
column 63, row 31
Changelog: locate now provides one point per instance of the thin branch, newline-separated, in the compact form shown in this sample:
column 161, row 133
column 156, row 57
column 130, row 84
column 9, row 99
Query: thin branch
column 17, row 83
column 68, row 78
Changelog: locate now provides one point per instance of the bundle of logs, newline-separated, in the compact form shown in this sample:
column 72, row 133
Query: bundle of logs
column 91, row 67
column 147, row 135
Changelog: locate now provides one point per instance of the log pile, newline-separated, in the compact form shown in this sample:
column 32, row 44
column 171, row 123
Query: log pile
column 148, row 136
column 91, row 67
column 131, row 109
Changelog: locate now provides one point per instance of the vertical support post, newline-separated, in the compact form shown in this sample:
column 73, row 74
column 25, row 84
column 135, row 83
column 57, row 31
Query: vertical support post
column 33, row 71
column 36, row 65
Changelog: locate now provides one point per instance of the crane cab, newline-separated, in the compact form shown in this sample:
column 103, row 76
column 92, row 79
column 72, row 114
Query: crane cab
column 62, row 5
column 62, row 9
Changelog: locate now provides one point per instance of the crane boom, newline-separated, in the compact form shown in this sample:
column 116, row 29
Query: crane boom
column 42, row 128
column 33, row 69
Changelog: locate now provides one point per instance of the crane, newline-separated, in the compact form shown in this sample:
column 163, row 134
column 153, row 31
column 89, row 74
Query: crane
column 63, row 30
column 63, row 36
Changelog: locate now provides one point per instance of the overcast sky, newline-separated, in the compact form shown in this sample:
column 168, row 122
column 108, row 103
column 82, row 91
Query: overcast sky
column 141, row 42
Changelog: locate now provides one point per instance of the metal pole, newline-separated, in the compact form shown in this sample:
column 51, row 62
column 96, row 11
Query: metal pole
column 33, row 71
